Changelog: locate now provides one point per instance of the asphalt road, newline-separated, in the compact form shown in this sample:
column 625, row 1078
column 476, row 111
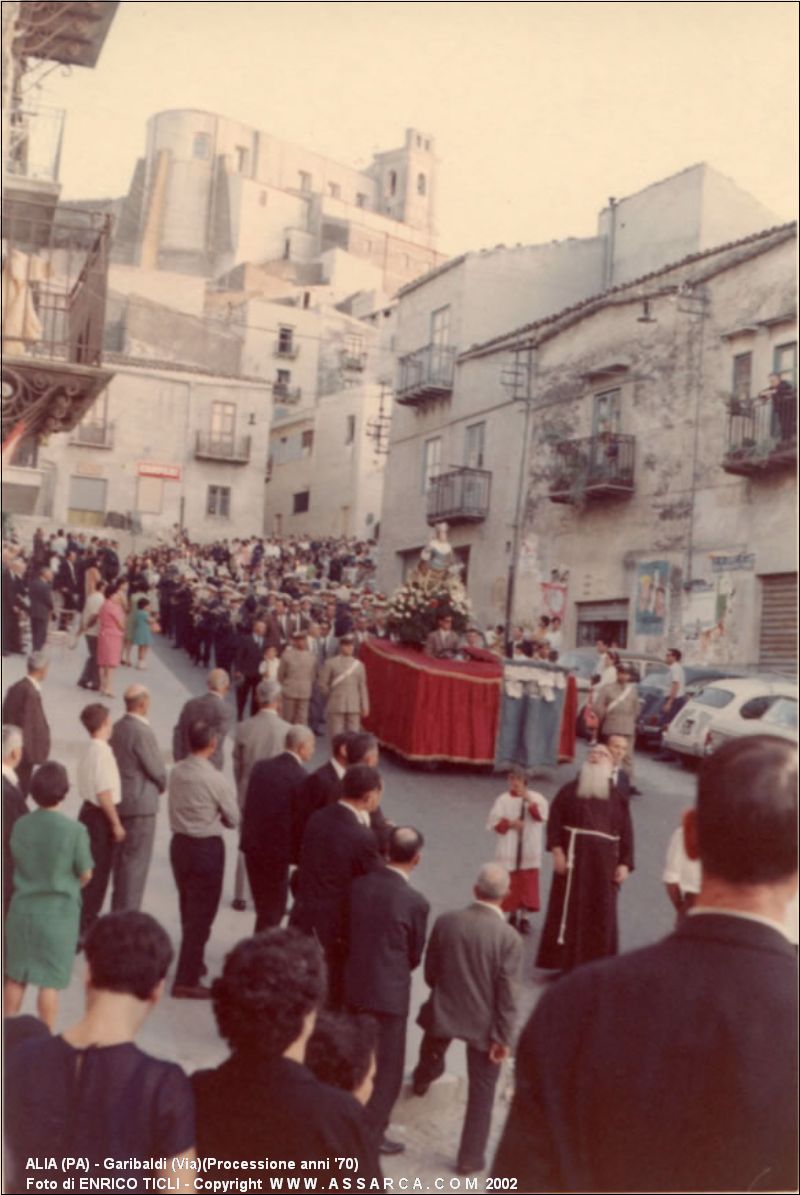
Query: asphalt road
column 450, row 805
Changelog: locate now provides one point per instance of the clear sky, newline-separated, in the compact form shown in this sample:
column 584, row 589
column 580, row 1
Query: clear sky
column 539, row 111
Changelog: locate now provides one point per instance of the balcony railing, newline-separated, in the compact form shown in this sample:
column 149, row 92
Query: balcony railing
column 223, row 448
column 34, row 143
column 93, row 435
column 55, row 282
column 354, row 362
column 459, row 495
column 286, row 349
column 426, row 374
column 762, row 434
column 285, row 394
column 593, row 467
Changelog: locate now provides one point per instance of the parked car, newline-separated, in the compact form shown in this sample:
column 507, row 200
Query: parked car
column 582, row 663
column 654, row 688
column 730, row 708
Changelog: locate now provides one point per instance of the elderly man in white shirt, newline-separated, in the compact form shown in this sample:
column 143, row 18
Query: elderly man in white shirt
column 100, row 788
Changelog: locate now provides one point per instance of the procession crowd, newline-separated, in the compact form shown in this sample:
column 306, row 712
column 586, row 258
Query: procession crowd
column 315, row 1008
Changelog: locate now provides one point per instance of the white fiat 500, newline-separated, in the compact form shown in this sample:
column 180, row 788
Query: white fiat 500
column 729, row 709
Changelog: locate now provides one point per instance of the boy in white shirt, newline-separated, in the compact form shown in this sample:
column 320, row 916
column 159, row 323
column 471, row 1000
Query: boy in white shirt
column 517, row 818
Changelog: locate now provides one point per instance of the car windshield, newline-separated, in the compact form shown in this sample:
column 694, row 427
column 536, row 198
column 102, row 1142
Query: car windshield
column 718, row 698
column 782, row 712
column 657, row 680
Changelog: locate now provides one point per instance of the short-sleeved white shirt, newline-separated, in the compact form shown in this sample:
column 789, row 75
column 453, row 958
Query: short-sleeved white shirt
column 676, row 673
column 98, row 773
column 679, row 868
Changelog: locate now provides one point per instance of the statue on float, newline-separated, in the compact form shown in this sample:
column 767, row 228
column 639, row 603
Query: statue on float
column 433, row 590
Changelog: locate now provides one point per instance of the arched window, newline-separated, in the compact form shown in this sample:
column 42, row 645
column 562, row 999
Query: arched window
column 392, row 182
column 422, row 184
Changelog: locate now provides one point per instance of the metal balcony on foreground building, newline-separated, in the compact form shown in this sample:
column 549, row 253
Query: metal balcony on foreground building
column 459, row 495
column 599, row 466
column 215, row 448
column 55, row 275
column 426, row 374
column 762, row 435
column 72, row 32
column 286, row 395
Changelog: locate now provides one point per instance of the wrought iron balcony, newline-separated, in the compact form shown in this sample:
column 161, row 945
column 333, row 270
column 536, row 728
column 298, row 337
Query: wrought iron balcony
column 54, row 289
column 223, row 448
column 287, row 349
column 459, row 495
column 426, row 374
column 285, row 394
column 762, row 433
column 93, row 435
column 354, row 362
column 593, row 467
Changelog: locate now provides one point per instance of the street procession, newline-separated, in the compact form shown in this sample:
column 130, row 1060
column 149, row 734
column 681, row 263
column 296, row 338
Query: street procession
column 399, row 627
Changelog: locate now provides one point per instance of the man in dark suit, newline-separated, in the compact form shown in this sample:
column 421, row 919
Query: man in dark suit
column 261, row 737
column 23, row 707
column 363, row 748
column 338, row 845
column 68, row 584
column 323, row 787
column 472, row 967
column 14, row 600
column 40, row 606
column 14, row 806
column 143, row 778
column 246, row 664
column 385, row 940
column 621, row 786
column 268, row 841
column 212, row 708
column 674, row 1068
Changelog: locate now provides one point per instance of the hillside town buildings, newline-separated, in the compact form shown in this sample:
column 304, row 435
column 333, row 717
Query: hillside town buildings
column 234, row 265
column 641, row 480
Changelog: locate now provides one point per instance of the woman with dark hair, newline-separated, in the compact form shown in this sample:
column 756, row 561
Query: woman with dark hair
column 52, row 862
column 112, row 630
column 262, row 1101
column 92, row 1093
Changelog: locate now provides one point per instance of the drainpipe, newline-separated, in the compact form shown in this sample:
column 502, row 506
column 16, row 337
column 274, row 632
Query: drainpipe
column 611, row 242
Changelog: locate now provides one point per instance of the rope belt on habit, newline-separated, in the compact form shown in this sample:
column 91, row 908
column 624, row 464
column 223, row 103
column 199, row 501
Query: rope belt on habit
column 573, row 832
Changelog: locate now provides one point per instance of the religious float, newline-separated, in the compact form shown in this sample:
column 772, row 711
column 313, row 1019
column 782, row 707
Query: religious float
column 436, row 695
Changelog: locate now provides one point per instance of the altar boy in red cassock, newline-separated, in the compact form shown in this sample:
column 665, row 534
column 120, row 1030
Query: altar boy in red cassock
column 517, row 817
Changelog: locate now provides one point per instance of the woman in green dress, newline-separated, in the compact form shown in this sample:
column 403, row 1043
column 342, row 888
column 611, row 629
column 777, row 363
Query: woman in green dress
column 52, row 862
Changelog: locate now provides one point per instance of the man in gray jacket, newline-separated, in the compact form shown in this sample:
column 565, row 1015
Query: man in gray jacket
column 211, row 707
column 261, row 737
column 143, row 777
column 472, row 967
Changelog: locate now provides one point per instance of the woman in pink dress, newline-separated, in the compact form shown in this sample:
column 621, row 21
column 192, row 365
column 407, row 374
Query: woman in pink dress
column 113, row 613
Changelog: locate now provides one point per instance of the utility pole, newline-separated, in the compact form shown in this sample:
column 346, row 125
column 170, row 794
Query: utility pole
column 519, row 379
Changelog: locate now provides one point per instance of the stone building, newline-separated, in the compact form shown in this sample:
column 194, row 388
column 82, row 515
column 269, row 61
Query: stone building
column 179, row 435
column 55, row 259
column 658, row 491
column 458, row 423
column 326, row 465
column 212, row 193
